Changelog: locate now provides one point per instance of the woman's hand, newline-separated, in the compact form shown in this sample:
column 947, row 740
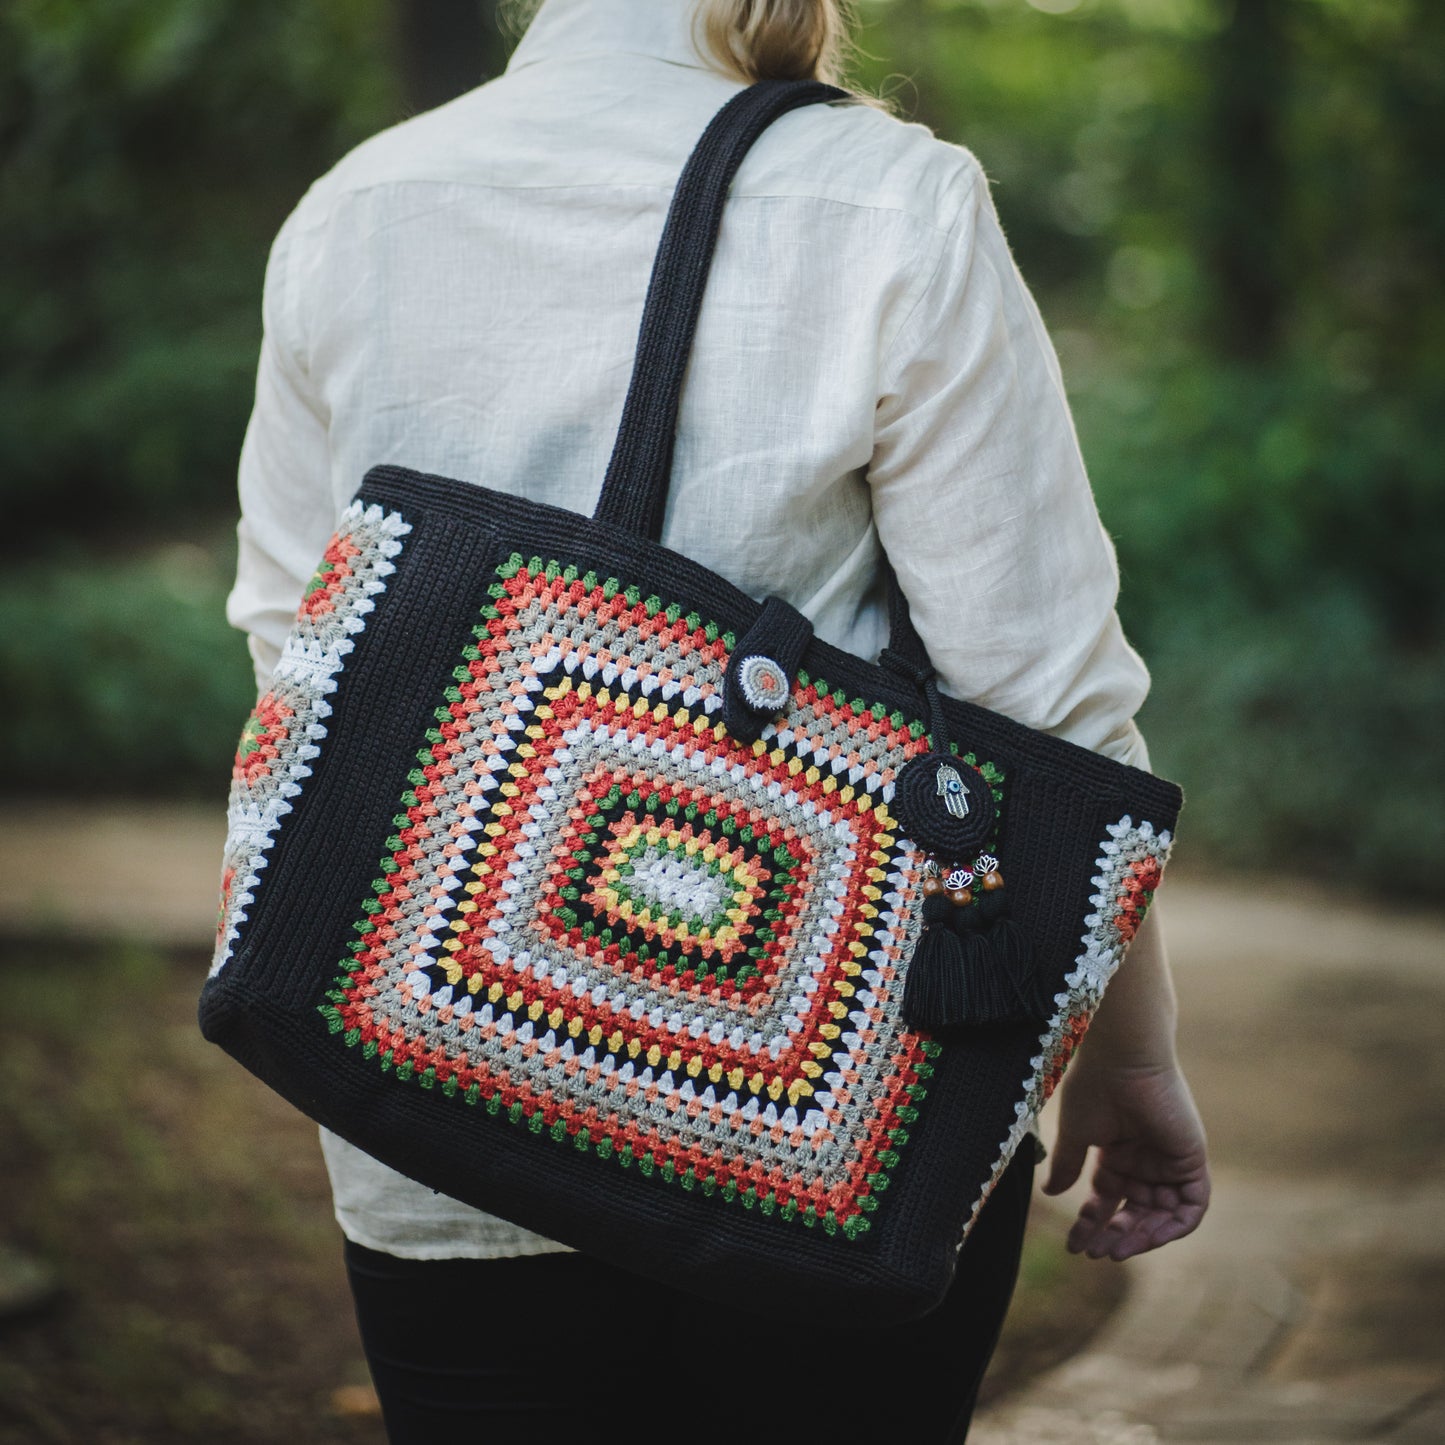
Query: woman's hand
column 1151, row 1176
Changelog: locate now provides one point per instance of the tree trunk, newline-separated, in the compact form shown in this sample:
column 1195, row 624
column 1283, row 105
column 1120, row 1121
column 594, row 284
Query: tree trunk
column 1246, row 202
column 447, row 47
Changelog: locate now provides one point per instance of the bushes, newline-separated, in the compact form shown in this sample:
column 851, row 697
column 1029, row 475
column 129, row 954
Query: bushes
column 1305, row 742
column 122, row 677
column 149, row 150
column 1280, row 523
column 1281, row 543
column 1292, row 620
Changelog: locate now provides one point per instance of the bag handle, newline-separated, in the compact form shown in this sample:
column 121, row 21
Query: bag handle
column 634, row 491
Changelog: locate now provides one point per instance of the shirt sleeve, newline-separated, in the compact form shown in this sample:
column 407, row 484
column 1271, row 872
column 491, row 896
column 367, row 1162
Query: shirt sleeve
column 984, row 508
column 287, row 511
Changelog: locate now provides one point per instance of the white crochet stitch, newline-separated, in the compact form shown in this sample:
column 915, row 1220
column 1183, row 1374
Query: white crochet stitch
column 674, row 882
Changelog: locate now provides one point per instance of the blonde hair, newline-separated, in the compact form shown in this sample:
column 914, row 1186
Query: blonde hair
column 776, row 39
column 753, row 40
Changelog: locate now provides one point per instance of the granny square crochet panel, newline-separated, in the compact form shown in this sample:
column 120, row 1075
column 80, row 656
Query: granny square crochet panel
column 600, row 919
column 282, row 734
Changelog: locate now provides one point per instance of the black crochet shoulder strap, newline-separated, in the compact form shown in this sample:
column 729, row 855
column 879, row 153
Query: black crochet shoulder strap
column 634, row 491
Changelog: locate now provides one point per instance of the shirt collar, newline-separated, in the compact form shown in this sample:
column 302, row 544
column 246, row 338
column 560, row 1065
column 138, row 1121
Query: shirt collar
column 564, row 28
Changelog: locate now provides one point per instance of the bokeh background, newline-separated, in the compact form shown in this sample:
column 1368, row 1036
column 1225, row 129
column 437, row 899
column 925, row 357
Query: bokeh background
column 1233, row 217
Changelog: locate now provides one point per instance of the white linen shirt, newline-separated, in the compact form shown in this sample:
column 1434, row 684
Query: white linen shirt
column 461, row 295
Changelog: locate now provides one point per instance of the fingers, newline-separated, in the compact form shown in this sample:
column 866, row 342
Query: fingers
column 1126, row 1216
column 1131, row 1234
column 1096, row 1213
column 1065, row 1164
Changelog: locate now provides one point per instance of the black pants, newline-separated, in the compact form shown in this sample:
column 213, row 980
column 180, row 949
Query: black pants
column 492, row 1351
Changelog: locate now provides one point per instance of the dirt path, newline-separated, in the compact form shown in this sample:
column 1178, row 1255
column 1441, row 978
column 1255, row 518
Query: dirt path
column 1309, row 1306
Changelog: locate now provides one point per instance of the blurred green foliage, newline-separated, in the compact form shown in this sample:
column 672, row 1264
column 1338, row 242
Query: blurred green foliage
column 1281, row 555
column 1231, row 214
column 128, row 679
column 149, row 150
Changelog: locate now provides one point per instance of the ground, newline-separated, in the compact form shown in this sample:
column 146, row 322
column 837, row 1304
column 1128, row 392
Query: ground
column 182, row 1207
column 185, row 1211
column 1308, row 1307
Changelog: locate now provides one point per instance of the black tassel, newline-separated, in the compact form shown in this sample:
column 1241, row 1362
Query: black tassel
column 992, row 904
column 961, row 974
column 935, row 989
column 1005, row 988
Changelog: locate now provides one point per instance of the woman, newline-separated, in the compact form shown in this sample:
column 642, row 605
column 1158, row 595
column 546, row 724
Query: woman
column 461, row 295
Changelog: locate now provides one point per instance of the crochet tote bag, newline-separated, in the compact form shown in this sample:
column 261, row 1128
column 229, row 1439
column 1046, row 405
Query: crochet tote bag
column 571, row 881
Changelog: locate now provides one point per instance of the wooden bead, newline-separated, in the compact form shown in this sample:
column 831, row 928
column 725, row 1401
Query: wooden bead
column 932, row 885
column 960, row 897
column 992, row 881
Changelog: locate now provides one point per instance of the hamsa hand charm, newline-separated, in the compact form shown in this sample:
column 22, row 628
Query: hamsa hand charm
column 945, row 805
column 951, row 790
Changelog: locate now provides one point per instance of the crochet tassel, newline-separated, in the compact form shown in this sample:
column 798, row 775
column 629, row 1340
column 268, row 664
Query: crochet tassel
column 935, row 988
column 964, row 975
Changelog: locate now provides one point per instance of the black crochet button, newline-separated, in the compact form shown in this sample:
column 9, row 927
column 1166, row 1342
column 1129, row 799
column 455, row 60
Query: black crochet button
column 944, row 805
column 759, row 682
